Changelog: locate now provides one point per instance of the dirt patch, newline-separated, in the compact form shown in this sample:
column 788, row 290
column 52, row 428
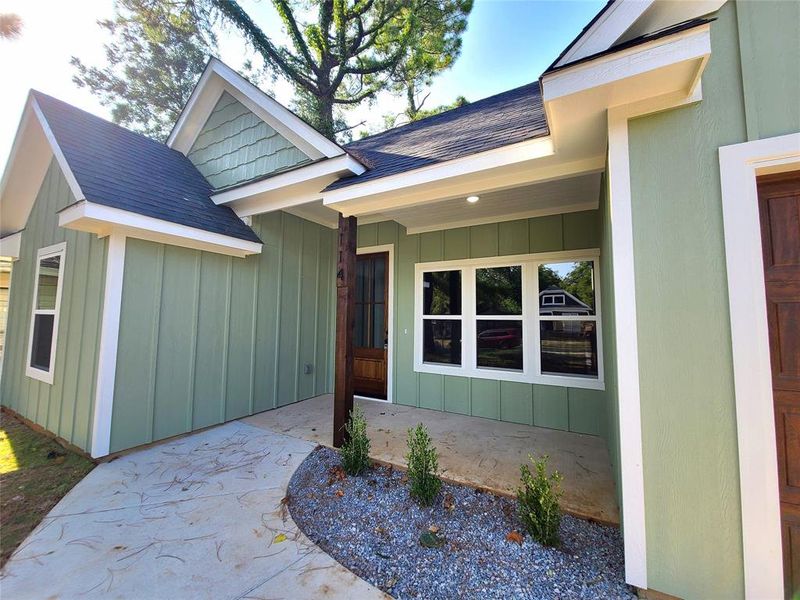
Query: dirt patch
column 35, row 473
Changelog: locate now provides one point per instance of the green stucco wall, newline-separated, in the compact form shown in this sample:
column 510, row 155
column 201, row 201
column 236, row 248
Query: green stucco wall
column 235, row 146
column 206, row 338
column 691, row 470
column 65, row 407
column 569, row 409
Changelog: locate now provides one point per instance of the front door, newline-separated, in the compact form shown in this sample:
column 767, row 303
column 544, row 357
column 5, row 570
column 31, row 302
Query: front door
column 779, row 209
column 371, row 339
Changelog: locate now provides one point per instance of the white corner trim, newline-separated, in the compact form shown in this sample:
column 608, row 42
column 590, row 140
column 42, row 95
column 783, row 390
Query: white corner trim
column 499, row 157
column 59, row 249
column 332, row 166
column 390, row 350
column 102, row 220
column 60, row 158
column 109, row 338
column 629, row 400
column 9, row 245
column 740, row 164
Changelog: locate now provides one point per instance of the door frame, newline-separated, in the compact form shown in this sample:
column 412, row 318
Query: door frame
column 390, row 318
column 740, row 165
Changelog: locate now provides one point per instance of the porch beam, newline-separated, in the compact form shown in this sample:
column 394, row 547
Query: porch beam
column 345, row 320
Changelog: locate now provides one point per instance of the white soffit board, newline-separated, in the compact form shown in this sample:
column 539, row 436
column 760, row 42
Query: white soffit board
column 10, row 244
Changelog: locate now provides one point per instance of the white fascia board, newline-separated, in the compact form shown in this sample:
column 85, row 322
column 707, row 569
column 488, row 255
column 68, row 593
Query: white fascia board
column 491, row 159
column 688, row 45
column 341, row 165
column 105, row 220
column 604, row 32
column 60, row 158
column 10, row 244
column 288, row 124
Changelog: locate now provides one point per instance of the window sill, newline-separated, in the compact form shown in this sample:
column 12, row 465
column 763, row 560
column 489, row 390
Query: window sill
column 40, row 375
column 585, row 383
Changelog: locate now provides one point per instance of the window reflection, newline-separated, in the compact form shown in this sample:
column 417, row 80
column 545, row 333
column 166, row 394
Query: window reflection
column 569, row 347
column 500, row 344
column 441, row 293
column 567, row 289
column 441, row 341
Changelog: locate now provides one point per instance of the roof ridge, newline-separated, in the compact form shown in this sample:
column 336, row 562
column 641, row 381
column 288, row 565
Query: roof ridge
column 427, row 120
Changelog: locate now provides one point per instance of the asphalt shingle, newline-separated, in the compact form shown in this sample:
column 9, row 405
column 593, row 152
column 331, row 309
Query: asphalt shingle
column 513, row 116
column 119, row 168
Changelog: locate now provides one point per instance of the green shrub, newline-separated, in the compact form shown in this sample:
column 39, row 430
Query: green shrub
column 423, row 462
column 538, row 502
column 355, row 451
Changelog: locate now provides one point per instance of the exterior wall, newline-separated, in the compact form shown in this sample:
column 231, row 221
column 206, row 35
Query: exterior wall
column 569, row 409
column 206, row 338
column 691, row 475
column 65, row 407
column 235, row 146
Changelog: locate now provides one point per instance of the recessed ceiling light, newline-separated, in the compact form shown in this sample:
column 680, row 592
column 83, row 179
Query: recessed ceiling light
column 472, row 199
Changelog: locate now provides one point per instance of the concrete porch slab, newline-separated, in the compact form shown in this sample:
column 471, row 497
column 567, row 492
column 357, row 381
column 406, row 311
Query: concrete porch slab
column 472, row 450
column 194, row 517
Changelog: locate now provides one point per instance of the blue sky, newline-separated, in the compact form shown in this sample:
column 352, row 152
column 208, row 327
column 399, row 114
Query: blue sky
column 507, row 43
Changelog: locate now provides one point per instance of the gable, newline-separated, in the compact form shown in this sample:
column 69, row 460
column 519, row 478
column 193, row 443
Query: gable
column 235, row 146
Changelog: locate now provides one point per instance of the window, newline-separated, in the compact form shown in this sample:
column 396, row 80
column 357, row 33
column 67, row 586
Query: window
column 531, row 318
column 44, row 316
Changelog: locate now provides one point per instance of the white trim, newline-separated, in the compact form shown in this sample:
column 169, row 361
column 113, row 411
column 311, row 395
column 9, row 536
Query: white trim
column 284, row 121
column 9, row 245
column 109, row 338
column 531, row 369
column 47, row 252
column 390, row 349
column 499, row 157
column 102, row 220
column 604, row 32
column 60, row 158
column 331, row 166
column 740, row 164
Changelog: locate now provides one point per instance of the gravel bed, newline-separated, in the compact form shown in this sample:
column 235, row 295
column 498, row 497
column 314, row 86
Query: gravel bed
column 371, row 526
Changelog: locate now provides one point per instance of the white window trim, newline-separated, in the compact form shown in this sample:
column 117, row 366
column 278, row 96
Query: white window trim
column 740, row 164
column 531, row 358
column 47, row 252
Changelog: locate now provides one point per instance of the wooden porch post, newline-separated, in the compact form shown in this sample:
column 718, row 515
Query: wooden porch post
column 345, row 320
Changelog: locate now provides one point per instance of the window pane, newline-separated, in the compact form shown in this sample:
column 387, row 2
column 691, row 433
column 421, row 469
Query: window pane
column 360, row 330
column 441, row 341
column 378, row 325
column 441, row 293
column 379, row 289
column 500, row 344
column 566, row 288
column 41, row 343
column 48, row 282
column 569, row 347
column 498, row 291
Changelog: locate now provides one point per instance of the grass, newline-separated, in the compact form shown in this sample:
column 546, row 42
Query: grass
column 35, row 473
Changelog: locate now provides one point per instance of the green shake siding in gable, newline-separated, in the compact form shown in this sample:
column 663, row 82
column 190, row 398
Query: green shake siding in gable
column 235, row 146
column 578, row 410
column 690, row 451
column 206, row 338
column 65, row 407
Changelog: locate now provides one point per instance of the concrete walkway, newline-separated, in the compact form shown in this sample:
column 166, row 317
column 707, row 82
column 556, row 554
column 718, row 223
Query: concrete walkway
column 472, row 450
column 197, row 517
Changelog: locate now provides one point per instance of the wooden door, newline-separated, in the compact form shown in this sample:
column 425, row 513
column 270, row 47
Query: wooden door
column 371, row 338
column 779, row 209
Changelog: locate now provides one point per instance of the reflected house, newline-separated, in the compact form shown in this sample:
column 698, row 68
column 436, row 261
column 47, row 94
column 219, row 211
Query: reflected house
column 569, row 344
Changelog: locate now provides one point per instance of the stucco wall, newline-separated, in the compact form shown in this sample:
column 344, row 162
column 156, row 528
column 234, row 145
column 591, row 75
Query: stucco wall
column 206, row 338
column 235, row 146
column 569, row 409
column 65, row 407
column 688, row 407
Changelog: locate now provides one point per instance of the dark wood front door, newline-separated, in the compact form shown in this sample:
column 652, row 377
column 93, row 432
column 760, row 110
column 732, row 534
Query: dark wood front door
column 779, row 209
column 371, row 339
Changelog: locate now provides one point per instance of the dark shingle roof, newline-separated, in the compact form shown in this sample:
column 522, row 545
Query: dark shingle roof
column 119, row 168
column 513, row 116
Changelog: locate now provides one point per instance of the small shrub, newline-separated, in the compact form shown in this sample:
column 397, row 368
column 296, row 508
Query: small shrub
column 538, row 502
column 355, row 451
column 423, row 462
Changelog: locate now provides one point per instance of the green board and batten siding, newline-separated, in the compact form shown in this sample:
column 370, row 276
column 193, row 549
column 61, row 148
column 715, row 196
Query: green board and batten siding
column 235, row 146
column 206, row 338
column 65, row 407
column 569, row 409
column 691, row 470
